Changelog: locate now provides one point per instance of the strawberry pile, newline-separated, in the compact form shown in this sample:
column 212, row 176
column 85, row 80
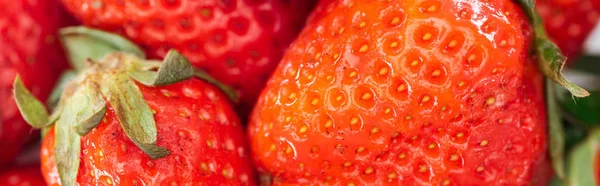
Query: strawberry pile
column 29, row 46
column 298, row 92
column 238, row 42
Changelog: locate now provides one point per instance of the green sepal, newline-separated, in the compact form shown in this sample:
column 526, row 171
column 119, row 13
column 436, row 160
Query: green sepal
column 230, row 92
column 86, row 126
column 174, row 68
column 89, row 116
column 154, row 151
column 555, row 128
column 581, row 169
column 31, row 108
column 557, row 182
column 583, row 111
column 55, row 114
column 61, row 84
column 132, row 111
column 44, row 131
column 551, row 61
column 84, row 43
column 67, row 146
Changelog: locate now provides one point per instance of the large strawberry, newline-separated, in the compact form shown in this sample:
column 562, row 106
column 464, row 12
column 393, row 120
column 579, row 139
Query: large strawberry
column 410, row 93
column 238, row 42
column 28, row 46
column 128, row 121
column 569, row 22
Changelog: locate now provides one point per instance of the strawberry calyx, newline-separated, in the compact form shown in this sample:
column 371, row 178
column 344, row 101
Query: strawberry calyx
column 579, row 137
column 77, row 43
column 82, row 43
column 83, row 104
column 556, row 139
column 110, row 79
column 550, row 60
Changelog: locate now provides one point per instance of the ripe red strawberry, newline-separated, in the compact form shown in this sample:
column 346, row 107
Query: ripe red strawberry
column 28, row 46
column 239, row 42
column 568, row 22
column 408, row 93
column 120, row 122
column 597, row 167
column 22, row 176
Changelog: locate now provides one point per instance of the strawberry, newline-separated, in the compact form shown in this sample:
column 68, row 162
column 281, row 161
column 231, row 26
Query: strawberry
column 569, row 22
column 597, row 168
column 409, row 93
column 126, row 121
column 22, row 176
column 239, row 42
column 28, row 47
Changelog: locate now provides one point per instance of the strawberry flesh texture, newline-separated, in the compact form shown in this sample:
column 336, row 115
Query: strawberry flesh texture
column 376, row 93
column 569, row 22
column 190, row 115
column 239, row 42
column 29, row 48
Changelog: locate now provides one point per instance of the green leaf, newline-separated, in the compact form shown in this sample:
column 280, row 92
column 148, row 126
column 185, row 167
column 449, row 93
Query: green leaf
column 175, row 68
column 82, row 43
column 585, row 110
column 61, row 84
column 95, row 107
column 557, row 182
column 557, row 135
column 581, row 170
column 230, row 92
column 31, row 108
column 582, row 111
column 590, row 64
column 551, row 61
column 574, row 135
column 56, row 113
column 132, row 111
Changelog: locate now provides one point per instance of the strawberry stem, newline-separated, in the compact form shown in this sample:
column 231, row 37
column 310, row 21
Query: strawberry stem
column 550, row 59
column 82, row 43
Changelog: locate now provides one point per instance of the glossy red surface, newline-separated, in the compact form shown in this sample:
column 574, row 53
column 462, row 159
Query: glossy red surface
column 405, row 93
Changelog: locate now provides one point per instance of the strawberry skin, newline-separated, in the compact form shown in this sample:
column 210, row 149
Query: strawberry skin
column 29, row 47
column 238, row 42
column 194, row 121
column 405, row 93
column 22, row 176
column 568, row 22
column 597, row 168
